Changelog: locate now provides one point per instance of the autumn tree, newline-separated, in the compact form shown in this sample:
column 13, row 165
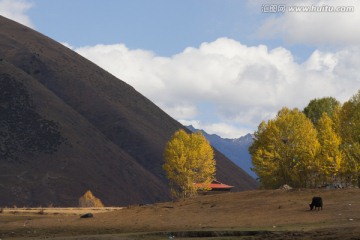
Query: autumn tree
column 330, row 158
column 317, row 107
column 285, row 149
column 189, row 159
column 350, row 134
column 89, row 200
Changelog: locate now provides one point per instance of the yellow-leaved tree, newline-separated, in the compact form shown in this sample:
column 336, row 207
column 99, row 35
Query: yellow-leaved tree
column 284, row 150
column 189, row 159
column 89, row 200
column 350, row 134
column 330, row 157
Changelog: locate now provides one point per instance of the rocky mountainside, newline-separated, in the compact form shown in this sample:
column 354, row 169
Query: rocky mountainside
column 237, row 150
column 68, row 126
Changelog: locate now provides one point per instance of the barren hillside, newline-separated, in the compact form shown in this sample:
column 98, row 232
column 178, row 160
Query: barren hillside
column 68, row 126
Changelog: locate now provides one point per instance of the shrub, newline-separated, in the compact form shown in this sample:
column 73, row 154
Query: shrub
column 41, row 212
column 89, row 200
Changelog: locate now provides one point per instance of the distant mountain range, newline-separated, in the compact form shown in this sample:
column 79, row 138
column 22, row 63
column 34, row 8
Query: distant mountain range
column 235, row 149
column 68, row 126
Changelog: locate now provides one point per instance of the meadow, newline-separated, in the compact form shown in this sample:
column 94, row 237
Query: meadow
column 258, row 214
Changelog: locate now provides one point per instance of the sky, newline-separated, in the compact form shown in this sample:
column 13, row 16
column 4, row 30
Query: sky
column 221, row 65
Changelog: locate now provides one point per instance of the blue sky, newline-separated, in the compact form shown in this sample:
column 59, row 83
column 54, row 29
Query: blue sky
column 221, row 65
column 164, row 27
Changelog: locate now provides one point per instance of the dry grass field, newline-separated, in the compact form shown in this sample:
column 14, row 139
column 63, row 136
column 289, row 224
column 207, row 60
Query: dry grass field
column 75, row 211
column 259, row 214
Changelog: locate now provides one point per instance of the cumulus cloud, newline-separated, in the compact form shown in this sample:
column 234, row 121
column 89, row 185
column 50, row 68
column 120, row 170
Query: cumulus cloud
column 67, row 45
column 16, row 10
column 225, row 130
column 322, row 25
column 228, row 88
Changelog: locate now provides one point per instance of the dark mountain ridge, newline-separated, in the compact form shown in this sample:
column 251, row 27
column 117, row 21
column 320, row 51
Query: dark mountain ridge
column 85, row 129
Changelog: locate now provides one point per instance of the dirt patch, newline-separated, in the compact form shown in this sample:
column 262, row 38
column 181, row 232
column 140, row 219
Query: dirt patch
column 261, row 214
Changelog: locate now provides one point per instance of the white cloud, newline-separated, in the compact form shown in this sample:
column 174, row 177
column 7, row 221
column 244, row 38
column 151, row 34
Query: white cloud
column 221, row 129
column 16, row 10
column 224, row 130
column 241, row 85
column 139, row 68
column 67, row 45
column 195, row 123
column 182, row 111
column 313, row 28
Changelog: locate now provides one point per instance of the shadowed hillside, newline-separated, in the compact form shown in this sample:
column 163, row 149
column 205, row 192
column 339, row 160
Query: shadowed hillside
column 23, row 129
column 68, row 126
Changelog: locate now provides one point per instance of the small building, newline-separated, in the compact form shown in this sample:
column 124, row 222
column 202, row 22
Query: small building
column 214, row 187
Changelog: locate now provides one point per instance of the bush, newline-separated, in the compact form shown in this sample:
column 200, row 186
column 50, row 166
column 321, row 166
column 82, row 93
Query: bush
column 41, row 212
column 89, row 200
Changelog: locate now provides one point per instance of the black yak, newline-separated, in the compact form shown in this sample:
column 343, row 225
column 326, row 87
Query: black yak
column 317, row 203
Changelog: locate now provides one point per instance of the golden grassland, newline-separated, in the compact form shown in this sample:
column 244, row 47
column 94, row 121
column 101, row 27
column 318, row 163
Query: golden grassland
column 57, row 210
column 258, row 214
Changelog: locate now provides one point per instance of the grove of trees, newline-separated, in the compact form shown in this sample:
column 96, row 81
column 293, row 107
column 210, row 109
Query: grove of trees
column 316, row 146
column 189, row 159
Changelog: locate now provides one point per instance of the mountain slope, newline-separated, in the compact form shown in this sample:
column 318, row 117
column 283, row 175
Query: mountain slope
column 82, row 157
column 237, row 150
column 104, row 135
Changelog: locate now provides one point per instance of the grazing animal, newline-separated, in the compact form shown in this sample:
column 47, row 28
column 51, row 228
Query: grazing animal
column 317, row 203
column 87, row 215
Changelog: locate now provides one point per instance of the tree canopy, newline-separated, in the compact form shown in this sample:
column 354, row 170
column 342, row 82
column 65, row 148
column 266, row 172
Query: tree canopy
column 330, row 158
column 317, row 107
column 350, row 134
column 320, row 145
column 89, row 200
column 189, row 159
column 284, row 150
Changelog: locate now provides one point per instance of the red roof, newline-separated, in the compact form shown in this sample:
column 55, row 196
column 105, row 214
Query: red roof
column 214, row 185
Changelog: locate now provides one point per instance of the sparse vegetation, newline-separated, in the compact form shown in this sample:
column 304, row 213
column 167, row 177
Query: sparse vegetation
column 89, row 200
column 41, row 211
column 23, row 130
column 283, row 213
